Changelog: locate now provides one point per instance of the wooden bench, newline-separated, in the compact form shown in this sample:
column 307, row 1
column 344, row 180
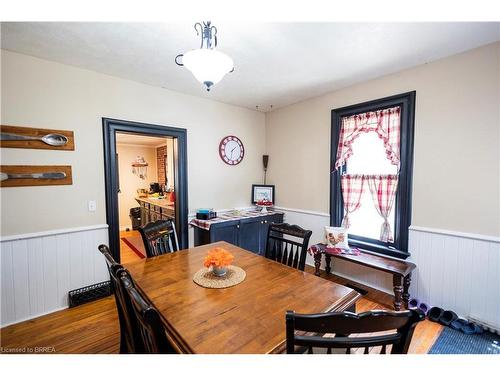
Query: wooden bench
column 400, row 269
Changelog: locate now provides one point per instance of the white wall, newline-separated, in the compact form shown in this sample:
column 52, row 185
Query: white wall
column 40, row 93
column 457, row 111
column 457, row 128
column 130, row 182
column 455, row 270
column 456, row 184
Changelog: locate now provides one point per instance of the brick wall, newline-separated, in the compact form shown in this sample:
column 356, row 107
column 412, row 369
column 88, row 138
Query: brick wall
column 161, row 153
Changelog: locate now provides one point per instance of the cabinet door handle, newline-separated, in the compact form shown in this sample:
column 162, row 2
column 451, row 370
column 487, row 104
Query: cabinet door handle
column 265, row 221
column 238, row 226
column 262, row 222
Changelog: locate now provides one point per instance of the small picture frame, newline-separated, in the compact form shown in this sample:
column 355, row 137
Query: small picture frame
column 260, row 192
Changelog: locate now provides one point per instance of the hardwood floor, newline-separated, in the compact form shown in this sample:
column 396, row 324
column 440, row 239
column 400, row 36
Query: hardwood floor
column 126, row 254
column 93, row 327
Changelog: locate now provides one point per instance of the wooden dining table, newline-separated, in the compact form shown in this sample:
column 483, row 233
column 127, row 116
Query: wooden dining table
column 245, row 318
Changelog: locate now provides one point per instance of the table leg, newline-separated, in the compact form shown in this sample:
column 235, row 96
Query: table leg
column 397, row 281
column 406, row 289
column 317, row 263
column 328, row 259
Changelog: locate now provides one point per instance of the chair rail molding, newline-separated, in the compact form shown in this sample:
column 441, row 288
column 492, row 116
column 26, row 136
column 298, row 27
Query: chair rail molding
column 25, row 236
column 39, row 269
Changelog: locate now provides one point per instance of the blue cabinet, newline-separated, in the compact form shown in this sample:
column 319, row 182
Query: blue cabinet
column 247, row 233
column 227, row 231
column 250, row 235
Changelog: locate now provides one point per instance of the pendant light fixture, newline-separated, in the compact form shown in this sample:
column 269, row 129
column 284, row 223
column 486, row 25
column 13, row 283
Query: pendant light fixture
column 207, row 64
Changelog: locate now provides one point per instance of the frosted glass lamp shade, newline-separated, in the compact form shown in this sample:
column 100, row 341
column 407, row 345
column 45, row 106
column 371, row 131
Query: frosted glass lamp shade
column 208, row 66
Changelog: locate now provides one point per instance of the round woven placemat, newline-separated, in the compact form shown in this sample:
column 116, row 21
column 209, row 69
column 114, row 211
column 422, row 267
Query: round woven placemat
column 206, row 278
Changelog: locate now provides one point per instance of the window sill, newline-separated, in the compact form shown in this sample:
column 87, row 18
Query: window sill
column 379, row 249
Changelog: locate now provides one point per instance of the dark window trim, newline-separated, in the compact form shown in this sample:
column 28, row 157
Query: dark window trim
column 110, row 127
column 403, row 198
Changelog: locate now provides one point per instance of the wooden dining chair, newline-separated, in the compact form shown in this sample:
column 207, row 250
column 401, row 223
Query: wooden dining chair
column 130, row 339
column 288, row 244
column 151, row 328
column 331, row 331
column 159, row 237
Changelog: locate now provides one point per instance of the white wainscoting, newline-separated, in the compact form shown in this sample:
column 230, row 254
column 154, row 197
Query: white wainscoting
column 39, row 269
column 457, row 271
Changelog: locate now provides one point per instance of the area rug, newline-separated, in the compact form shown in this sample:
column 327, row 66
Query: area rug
column 136, row 245
column 451, row 341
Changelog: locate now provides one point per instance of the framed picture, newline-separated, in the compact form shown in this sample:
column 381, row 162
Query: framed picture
column 260, row 192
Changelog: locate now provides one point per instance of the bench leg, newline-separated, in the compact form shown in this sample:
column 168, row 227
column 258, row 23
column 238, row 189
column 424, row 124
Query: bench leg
column 317, row 263
column 406, row 289
column 328, row 259
column 397, row 281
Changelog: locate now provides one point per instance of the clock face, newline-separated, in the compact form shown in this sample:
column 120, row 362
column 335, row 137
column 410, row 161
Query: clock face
column 231, row 150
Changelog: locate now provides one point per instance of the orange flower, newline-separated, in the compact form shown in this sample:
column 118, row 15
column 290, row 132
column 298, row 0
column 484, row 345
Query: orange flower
column 218, row 257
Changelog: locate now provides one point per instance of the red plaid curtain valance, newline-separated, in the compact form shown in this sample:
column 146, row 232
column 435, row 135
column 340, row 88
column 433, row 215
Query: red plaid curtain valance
column 386, row 123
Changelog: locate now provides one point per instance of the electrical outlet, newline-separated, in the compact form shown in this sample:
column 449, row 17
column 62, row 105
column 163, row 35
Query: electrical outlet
column 92, row 206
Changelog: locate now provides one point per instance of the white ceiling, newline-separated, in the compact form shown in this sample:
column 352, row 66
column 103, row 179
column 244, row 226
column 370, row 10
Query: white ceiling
column 140, row 140
column 275, row 63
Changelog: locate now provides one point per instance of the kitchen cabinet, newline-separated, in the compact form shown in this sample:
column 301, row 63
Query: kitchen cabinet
column 153, row 211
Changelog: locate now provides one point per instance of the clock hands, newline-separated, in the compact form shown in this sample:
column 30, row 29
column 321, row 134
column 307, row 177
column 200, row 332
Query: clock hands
column 231, row 154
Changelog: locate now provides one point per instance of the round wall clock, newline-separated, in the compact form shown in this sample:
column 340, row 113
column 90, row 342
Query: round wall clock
column 231, row 150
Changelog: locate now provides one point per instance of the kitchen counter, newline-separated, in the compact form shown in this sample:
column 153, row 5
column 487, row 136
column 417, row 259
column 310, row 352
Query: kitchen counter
column 163, row 202
column 153, row 209
column 232, row 216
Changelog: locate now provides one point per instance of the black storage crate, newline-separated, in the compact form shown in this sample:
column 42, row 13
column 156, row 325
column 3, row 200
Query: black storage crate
column 89, row 293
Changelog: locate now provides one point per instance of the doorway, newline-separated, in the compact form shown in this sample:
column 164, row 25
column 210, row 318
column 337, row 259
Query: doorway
column 143, row 177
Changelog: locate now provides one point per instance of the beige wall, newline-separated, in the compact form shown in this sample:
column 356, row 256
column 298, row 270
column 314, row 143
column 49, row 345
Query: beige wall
column 130, row 182
column 456, row 141
column 457, row 129
column 40, row 93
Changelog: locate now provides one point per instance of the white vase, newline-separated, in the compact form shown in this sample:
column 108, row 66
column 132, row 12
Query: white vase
column 219, row 271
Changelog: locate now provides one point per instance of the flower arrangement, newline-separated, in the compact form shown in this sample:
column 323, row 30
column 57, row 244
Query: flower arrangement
column 264, row 202
column 218, row 257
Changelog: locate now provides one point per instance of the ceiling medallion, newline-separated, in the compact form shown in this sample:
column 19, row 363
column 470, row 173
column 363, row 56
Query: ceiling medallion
column 207, row 64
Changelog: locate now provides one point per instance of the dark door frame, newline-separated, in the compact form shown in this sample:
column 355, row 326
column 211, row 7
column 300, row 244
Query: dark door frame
column 110, row 127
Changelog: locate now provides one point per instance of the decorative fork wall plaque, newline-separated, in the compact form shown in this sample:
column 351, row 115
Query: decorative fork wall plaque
column 48, row 139
column 35, row 175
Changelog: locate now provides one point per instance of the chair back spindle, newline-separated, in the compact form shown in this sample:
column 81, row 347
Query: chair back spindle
column 159, row 238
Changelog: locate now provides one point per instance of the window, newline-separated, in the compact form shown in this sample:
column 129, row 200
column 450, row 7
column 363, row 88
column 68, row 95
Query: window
column 370, row 184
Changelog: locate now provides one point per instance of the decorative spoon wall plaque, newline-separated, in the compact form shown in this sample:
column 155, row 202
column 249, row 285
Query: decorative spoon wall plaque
column 49, row 139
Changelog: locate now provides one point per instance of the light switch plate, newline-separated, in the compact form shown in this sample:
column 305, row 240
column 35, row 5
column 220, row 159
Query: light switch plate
column 92, row 206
